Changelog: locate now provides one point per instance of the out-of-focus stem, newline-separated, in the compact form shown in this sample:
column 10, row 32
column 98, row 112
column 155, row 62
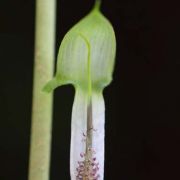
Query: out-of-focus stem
column 39, row 164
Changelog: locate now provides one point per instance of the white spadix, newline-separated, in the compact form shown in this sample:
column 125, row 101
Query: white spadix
column 86, row 60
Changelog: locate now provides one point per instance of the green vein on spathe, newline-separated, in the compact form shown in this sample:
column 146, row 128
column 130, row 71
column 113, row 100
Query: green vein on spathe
column 89, row 65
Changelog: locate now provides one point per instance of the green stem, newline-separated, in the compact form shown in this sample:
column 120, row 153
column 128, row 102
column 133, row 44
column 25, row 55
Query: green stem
column 42, row 102
column 97, row 4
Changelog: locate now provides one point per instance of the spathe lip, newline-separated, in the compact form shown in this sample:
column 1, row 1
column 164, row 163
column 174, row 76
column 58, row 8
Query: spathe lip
column 87, row 53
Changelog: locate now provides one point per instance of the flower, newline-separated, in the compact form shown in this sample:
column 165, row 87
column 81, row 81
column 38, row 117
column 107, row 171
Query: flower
column 86, row 60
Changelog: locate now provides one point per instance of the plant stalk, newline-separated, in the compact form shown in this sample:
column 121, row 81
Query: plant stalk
column 39, row 163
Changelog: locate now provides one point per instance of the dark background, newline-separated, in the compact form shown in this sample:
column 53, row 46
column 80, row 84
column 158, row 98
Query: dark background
column 142, row 103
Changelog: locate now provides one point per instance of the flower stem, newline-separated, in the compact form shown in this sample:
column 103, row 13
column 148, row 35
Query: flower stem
column 97, row 4
column 42, row 102
column 88, row 152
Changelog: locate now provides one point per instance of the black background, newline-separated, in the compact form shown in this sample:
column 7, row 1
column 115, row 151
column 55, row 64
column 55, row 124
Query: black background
column 142, row 103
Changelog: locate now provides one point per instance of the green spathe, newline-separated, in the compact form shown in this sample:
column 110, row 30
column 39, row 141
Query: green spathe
column 86, row 55
column 86, row 60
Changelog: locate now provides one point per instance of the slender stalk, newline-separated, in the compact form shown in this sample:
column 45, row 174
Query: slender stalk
column 89, row 140
column 42, row 102
column 97, row 4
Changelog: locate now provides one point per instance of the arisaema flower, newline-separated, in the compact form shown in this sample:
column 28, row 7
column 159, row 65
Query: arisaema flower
column 86, row 60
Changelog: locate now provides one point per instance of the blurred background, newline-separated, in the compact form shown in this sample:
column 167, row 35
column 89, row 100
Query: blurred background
column 142, row 103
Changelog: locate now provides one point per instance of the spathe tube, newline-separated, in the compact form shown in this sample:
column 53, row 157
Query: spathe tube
column 87, row 137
